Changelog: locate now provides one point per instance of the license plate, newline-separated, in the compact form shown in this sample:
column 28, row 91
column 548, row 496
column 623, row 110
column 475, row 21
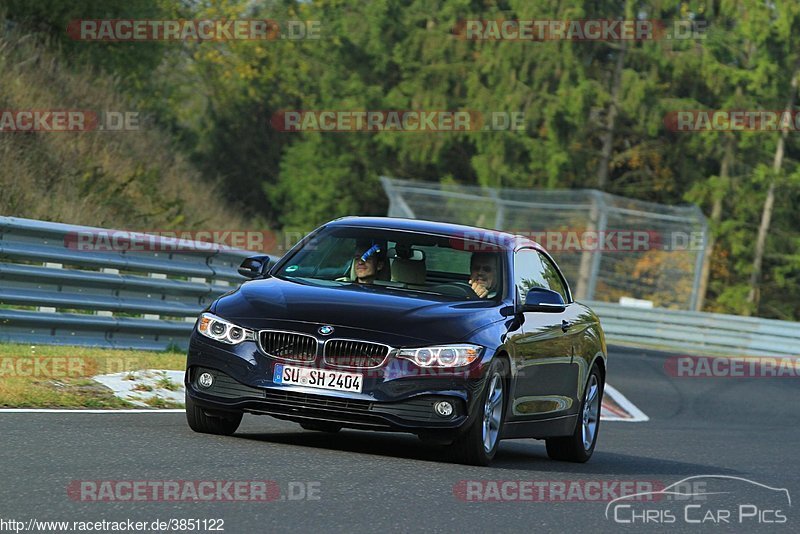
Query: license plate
column 317, row 378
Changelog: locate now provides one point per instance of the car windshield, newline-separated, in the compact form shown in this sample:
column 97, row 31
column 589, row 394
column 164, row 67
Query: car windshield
column 416, row 264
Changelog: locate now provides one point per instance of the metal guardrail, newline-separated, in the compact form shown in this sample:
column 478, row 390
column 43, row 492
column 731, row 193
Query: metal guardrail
column 684, row 331
column 53, row 292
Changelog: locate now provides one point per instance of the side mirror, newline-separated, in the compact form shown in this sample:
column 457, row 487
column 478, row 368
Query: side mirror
column 256, row 267
column 540, row 299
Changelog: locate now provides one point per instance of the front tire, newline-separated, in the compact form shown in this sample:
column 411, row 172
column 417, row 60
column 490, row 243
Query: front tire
column 208, row 424
column 580, row 445
column 478, row 445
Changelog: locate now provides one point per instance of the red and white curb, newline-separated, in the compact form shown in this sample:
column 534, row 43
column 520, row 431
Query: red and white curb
column 617, row 407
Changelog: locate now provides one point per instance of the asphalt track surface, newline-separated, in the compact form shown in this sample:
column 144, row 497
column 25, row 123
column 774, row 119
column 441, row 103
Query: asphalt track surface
column 384, row 482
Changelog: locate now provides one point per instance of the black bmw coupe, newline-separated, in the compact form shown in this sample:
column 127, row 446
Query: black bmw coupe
column 461, row 335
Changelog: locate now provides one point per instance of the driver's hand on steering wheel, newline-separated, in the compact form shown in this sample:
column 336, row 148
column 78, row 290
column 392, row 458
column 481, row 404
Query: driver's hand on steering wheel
column 479, row 289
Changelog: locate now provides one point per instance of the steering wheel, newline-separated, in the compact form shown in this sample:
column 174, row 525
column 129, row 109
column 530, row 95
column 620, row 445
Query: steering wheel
column 456, row 289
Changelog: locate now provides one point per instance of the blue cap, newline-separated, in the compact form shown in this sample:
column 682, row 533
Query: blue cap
column 374, row 249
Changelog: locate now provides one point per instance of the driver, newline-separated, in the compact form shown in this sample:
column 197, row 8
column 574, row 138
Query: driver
column 483, row 267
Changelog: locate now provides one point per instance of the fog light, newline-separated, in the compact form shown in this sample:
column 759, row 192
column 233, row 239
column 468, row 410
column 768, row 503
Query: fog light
column 205, row 380
column 443, row 408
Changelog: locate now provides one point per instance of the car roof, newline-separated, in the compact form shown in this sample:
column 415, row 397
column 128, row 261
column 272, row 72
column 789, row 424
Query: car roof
column 503, row 239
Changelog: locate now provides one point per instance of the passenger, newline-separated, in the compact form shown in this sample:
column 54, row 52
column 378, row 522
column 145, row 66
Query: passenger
column 369, row 262
column 484, row 277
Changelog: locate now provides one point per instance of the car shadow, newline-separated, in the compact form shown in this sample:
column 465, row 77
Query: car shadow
column 524, row 455
column 396, row 445
column 532, row 455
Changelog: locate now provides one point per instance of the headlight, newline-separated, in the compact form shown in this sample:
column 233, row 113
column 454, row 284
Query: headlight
column 442, row 355
column 219, row 329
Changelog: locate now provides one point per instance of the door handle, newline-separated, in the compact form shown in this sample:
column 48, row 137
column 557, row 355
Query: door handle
column 565, row 325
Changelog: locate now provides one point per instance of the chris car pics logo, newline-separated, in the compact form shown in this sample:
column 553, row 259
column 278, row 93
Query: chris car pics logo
column 719, row 500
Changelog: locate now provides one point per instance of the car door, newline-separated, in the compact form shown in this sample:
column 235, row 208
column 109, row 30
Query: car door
column 574, row 323
column 543, row 352
column 583, row 331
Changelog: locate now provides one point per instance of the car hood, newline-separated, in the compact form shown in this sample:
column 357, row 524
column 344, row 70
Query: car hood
column 403, row 318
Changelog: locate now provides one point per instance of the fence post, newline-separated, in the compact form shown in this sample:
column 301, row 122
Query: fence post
column 582, row 288
column 500, row 216
column 601, row 228
column 696, row 303
column 398, row 207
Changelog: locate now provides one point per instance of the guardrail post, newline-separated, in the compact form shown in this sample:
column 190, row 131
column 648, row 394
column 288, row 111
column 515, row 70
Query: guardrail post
column 106, row 313
column 50, row 265
column 153, row 316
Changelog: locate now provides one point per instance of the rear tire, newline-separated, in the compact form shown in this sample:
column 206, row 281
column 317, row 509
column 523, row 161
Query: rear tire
column 580, row 445
column 478, row 445
column 321, row 426
column 223, row 425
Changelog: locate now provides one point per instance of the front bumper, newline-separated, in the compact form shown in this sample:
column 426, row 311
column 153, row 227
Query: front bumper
column 395, row 397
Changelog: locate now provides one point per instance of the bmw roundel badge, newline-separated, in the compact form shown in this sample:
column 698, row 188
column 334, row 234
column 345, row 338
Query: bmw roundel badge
column 325, row 330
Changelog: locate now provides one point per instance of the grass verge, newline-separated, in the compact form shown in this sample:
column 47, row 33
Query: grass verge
column 58, row 376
